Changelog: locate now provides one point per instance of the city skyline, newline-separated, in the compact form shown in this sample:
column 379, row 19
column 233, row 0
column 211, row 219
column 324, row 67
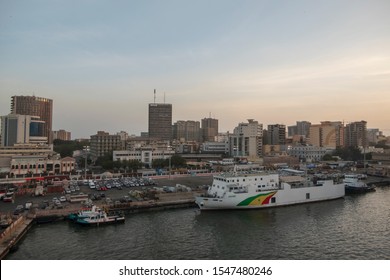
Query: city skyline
column 275, row 62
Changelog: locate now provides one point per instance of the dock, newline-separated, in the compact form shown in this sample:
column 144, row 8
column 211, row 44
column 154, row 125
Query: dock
column 13, row 234
column 18, row 228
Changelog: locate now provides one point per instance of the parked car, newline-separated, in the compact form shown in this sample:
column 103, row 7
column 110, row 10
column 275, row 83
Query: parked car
column 9, row 197
column 19, row 209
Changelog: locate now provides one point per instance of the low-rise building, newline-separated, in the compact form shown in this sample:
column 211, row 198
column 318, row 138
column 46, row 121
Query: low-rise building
column 215, row 147
column 307, row 153
column 31, row 165
column 144, row 155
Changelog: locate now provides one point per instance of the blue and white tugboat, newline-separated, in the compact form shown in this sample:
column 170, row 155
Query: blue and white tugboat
column 353, row 185
column 100, row 217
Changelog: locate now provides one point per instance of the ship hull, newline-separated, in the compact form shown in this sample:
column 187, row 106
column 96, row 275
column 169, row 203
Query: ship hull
column 272, row 198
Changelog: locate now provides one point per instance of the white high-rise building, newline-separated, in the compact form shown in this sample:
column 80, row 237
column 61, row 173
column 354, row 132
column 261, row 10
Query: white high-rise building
column 247, row 140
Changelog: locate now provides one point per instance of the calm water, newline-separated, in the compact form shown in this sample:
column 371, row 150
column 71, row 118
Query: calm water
column 356, row 227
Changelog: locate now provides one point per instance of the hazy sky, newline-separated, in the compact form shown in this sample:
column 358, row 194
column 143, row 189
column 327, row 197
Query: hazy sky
column 272, row 61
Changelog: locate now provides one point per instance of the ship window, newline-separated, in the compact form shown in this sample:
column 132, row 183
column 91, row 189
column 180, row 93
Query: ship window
column 273, row 199
column 307, row 195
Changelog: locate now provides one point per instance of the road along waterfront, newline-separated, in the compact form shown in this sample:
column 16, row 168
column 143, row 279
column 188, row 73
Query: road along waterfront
column 356, row 227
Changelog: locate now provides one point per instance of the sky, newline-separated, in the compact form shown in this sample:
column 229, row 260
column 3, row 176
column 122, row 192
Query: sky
column 277, row 62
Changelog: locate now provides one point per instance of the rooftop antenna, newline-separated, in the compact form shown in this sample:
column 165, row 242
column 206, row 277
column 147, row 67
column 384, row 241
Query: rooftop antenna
column 154, row 96
column 164, row 97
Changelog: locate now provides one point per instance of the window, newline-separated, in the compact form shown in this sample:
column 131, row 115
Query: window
column 273, row 199
column 307, row 195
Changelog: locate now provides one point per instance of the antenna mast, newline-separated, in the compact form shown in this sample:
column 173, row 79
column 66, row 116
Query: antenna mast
column 154, row 96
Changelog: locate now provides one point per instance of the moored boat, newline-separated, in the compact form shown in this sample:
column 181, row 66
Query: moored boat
column 84, row 213
column 100, row 217
column 353, row 184
column 261, row 189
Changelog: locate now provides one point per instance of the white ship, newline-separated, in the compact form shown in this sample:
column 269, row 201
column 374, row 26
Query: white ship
column 261, row 189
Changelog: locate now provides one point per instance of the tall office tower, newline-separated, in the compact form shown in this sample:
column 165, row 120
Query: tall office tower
column 276, row 134
column 356, row 134
column 303, row 128
column 186, row 131
column 292, row 130
column 160, row 121
column 373, row 135
column 247, row 140
column 35, row 106
column 209, row 129
column 22, row 129
column 327, row 134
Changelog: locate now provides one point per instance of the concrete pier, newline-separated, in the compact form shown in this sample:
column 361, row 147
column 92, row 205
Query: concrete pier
column 12, row 235
column 15, row 232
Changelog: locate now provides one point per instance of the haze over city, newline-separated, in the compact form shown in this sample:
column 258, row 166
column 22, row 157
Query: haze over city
column 272, row 61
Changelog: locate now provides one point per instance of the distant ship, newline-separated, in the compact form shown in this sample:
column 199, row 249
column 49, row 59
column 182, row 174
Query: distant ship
column 261, row 189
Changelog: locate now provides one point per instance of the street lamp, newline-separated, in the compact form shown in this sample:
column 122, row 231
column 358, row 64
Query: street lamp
column 85, row 166
column 170, row 167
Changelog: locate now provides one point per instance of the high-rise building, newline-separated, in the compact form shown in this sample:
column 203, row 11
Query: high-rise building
column 303, row 128
column 103, row 143
column 160, row 121
column 356, row 134
column 373, row 135
column 327, row 134
column 22, row 129
column 247, row 140
column 186, row 131
column 62, row 135
column 209, row 129
column 276, row 134
column 35, row 106
column 292, row 130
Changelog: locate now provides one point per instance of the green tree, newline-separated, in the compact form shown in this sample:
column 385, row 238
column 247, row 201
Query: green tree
column 327, row 157
column 66, row 148
column 178, row 161
column 349, row 153
column 105, row 162
column 160, row 163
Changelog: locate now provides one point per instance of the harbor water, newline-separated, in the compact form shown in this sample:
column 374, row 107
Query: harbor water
column 353, row 228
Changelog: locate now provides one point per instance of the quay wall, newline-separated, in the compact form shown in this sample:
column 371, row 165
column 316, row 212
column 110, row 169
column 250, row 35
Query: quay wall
column 15, row 231
column 13, row 234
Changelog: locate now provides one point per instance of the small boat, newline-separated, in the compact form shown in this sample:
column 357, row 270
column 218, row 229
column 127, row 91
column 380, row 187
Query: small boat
column 353, row 184
column 100, row 217
column 84, row 213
